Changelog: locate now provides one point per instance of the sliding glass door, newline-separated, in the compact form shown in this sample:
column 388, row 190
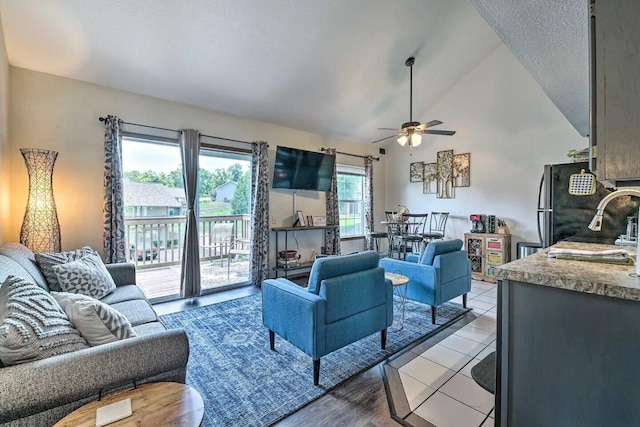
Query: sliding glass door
column 155, row 207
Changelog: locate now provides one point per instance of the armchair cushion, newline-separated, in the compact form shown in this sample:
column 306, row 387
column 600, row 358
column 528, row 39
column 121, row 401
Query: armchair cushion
column 439, row 247
column 325, row 268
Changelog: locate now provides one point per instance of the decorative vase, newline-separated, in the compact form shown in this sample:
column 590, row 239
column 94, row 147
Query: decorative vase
column 40, row 230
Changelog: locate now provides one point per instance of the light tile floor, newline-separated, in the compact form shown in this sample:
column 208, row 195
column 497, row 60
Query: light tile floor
column 438, row 384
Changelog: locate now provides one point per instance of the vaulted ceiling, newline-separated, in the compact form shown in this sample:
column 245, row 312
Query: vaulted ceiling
column 332, row 67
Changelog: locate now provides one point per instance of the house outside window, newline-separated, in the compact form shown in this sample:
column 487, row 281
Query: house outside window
column 351, row 200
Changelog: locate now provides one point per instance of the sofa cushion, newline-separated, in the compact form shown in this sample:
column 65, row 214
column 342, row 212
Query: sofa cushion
column 97, row 322
column 32, row 324
column 325, row 268
column 123, row 293
column 439, row 247
column 23, row 256
column 46, row 261
column 86, row 276
column 149, row 328
column 9, row 267
column 137, row 311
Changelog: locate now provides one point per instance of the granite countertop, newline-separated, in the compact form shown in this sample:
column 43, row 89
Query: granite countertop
column 589, row 277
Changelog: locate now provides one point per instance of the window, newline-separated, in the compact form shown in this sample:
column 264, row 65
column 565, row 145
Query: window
column 350, row 200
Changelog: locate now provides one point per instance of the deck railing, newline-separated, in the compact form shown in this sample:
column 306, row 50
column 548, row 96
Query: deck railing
column 159, row 241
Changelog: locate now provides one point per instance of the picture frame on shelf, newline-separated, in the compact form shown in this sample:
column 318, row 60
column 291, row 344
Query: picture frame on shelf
column 309, row 221
column 300, row 221
column 319, row 221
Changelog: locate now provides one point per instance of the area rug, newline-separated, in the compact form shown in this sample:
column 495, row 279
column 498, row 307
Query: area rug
column 243, row 383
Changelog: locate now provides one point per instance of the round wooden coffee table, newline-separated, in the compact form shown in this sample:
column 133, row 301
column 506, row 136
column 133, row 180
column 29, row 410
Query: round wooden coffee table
column 152, row 404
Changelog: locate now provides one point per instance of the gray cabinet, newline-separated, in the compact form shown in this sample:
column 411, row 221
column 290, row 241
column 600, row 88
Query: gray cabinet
column 616, row 79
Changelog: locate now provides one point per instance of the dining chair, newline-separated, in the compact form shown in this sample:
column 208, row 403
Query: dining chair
column 414, row 231
column 373, row 234
column 437, row 226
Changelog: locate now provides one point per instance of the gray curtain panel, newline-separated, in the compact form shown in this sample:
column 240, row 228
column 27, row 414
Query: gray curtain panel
column 332, row 235
column 190, row 274
column 368, row 201
column 114, row 233
column 259, row 257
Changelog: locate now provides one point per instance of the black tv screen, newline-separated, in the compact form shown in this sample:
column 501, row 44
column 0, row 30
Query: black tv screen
column 302, row 170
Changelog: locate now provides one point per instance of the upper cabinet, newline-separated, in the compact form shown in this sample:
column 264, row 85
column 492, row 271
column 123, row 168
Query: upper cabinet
column 615, row 90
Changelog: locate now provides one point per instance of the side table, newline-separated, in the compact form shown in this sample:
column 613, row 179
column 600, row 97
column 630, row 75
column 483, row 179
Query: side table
column 152, row 404
column 400, row 283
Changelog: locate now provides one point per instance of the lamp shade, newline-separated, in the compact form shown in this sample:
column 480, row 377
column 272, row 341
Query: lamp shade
column 416, row 139
column 403, row 140
column 40, row 230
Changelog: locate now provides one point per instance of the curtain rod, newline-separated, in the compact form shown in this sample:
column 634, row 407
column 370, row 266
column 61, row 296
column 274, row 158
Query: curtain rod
column 102, row 119
column 352, row 155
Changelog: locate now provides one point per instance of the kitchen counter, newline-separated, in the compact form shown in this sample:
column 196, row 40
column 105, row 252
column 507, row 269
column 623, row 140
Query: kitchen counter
column 588, row 277
column 567, row 341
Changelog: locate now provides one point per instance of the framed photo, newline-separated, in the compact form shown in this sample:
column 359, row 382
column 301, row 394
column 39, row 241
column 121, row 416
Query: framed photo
column 309, row 220
column 416, row 172
column 300, row 219
column 319, row 221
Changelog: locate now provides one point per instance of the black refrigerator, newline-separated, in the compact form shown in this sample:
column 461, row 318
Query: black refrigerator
column 564, row 217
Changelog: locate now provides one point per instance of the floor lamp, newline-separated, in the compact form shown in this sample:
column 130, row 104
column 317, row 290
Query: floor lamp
column 40, row 230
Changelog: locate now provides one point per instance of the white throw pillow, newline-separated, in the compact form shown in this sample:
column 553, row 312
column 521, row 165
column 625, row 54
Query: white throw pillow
column 32, row 324
column 97, row 322
column 86, row 276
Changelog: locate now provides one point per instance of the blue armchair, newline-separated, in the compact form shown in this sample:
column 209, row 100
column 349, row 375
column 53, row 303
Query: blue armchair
column 348, row 298
column 438, row 274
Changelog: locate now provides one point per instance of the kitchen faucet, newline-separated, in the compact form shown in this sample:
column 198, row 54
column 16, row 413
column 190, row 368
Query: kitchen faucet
column 596, row 222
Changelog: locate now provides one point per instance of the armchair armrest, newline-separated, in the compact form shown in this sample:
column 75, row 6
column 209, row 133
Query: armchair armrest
column 59, row 380
column 123, row 273
column 295, row 314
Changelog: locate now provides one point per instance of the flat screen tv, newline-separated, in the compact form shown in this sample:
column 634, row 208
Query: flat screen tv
column 302, row 170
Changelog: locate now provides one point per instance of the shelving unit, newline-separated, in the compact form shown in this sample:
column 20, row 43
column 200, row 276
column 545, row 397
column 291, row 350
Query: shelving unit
column 487, row 251
column 286, row 230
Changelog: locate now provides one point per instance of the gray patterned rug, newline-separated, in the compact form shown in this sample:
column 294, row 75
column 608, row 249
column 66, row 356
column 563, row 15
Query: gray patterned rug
column 243, row 383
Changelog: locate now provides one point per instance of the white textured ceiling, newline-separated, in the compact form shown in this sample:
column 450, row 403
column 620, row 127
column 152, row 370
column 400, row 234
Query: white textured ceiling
column 333, row 67
column 550, row 39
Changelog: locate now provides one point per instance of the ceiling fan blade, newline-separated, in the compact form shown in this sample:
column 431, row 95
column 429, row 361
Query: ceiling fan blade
column 432, row 123
column 440, row 132
column 382, row 139
column 396, row 129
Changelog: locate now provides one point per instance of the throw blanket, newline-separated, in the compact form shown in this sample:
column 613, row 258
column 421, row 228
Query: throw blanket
column 610, row 256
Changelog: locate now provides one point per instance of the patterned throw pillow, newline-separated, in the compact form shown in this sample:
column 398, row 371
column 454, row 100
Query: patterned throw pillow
column 32, row 324
column 97, row 322
column 86, row 276
column 46, row 261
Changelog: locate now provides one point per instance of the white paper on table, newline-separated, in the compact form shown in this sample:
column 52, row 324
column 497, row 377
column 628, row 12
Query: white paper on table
column 113, row 412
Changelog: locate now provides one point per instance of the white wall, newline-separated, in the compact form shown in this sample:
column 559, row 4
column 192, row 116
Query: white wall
column 62, row 114
column 4, row 136
column 511, row 128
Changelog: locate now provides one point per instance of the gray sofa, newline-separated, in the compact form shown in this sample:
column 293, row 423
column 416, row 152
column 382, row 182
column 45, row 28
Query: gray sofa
column 42, row 392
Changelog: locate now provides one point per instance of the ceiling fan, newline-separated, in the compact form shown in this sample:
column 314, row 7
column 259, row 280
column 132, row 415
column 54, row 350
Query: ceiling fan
column 411, row 132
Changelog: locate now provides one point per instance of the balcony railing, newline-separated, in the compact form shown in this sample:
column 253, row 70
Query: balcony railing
column 159, row 241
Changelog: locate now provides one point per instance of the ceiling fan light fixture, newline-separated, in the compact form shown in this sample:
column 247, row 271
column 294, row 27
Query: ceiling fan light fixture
column 402, row 140
column 416, row 139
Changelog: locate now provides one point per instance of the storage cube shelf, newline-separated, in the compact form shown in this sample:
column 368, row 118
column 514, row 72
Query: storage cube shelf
column 487, row 251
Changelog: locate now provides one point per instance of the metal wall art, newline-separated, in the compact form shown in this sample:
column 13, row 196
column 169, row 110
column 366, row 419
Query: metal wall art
column 416, row 172
column 441, row 178
column 430, row 183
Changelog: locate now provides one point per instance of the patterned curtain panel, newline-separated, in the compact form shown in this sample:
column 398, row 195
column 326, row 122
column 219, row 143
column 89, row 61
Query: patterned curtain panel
column 190, row 274
column 259, row 254
column 368, row 201
column 332, row 235
column 114, row 228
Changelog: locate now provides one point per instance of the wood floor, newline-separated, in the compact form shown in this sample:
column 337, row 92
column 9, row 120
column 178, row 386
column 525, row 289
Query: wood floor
column 361, row 401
